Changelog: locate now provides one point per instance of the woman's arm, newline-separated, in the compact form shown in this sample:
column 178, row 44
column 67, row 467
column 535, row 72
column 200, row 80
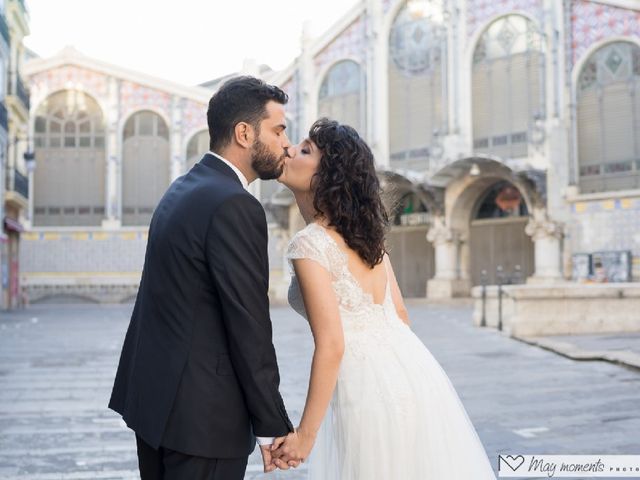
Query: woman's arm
column 324, row 317
column 396, row 295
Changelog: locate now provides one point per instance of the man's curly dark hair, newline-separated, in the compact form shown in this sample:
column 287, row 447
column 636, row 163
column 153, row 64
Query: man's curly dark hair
column 346, row 189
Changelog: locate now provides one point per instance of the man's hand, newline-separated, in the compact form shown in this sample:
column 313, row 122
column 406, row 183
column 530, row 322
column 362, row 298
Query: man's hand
column 269, row 466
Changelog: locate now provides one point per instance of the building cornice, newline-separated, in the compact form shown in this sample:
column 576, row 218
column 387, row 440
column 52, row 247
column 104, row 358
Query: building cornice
column 283, row 76
column 70, row 56
column 337, row 28
column 319, row 44
column 627, row 4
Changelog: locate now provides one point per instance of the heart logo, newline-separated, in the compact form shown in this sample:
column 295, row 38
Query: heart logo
column 513, row 462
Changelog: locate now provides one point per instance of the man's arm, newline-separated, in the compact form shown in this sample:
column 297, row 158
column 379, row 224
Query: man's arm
column 237, row 255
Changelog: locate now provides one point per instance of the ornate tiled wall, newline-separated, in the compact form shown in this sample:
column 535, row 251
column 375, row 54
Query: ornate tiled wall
column 480, row 11
column 592, row 22
column 135, row 97
column 82, row 251
column 69, row 77
column 101, row 254
column 194, row 117
column 349, row 44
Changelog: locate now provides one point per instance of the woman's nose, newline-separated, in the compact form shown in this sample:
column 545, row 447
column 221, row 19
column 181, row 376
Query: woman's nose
column 290, row 151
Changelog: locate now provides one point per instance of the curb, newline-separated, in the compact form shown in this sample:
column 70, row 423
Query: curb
column 619, row 357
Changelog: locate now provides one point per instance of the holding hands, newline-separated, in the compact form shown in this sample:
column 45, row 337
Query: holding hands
column 288, row 452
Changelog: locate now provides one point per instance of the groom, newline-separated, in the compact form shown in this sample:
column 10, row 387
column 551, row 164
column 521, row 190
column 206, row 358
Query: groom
column 198, row 377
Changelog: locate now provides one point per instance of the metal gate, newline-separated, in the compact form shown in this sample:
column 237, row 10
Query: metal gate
column 500, row 242
column 412, row 258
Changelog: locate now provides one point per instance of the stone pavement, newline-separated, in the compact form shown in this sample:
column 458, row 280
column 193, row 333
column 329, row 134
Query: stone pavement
column 57, row 365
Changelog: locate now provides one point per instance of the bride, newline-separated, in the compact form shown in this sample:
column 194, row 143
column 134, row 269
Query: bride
column 379, row 405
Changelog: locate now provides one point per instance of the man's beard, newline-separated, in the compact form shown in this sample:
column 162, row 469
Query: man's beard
column 265, row 163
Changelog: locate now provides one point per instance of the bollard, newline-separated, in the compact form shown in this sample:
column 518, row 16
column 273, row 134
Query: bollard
column 483, row 282
column 499, row 278
column 518, row 275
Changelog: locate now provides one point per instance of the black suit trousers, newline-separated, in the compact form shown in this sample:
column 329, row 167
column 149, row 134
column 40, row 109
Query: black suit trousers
column 167, row 464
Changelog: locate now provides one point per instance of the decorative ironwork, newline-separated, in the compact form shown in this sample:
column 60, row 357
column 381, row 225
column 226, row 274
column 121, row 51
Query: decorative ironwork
column 508, row 36
column 343, row 78
column 613, row 63
column 417, row 39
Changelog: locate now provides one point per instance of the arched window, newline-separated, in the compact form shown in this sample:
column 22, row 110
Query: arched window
column 145, row 166
column 409, row 204
column 508, row 87
column 69, row 183
column 417, row 84
column 609, row 119
column 340, row 96
column 197, row 147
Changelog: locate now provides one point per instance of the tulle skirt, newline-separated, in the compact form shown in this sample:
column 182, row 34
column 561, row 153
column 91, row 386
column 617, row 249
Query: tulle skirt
column 395, row 415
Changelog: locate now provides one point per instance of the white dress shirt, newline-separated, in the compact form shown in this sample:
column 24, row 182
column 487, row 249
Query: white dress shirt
column 245, row 184
column 240, row 175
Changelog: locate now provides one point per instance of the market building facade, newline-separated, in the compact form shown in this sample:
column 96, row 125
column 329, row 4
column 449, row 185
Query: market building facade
column 506, row 133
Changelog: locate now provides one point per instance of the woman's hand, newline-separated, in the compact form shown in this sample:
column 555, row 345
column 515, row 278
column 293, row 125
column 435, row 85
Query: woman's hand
column 295, row 447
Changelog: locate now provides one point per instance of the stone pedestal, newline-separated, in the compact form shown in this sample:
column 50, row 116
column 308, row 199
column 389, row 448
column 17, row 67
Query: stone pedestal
column 547, row 235
column 563, row 309
column 448, row 288
column 447, row 282
column 111, row 224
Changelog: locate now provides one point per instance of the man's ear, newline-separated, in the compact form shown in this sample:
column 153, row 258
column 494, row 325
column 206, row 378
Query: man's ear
column 244, row 135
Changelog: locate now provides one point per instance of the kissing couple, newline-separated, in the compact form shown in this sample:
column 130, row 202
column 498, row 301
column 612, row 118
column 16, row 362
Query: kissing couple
column 198, row 381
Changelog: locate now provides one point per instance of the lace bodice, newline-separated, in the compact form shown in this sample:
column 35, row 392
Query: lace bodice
column 357, row 307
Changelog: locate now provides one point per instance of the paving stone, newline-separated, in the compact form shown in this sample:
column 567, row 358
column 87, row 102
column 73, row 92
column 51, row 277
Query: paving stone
column 56, row 374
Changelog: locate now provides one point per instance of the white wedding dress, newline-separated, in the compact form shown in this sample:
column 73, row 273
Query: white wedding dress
column 394, row 414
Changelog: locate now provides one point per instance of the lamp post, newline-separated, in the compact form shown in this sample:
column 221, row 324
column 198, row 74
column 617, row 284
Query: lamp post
column 30, row 160
column 537, row 133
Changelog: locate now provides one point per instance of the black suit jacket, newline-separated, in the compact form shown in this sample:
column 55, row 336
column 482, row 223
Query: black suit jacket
column 198, row 371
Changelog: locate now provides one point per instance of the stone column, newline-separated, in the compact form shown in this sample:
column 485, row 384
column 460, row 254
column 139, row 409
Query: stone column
column 447, row 282
column 377, row 84
column 547, row 235
column 280, row 285
column 307, row 83
column 113, row 210
column 175, row 135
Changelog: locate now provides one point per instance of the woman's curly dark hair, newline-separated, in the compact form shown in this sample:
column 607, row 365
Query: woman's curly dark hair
column 346, row 189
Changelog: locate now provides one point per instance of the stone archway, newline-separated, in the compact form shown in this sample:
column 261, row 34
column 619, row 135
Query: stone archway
column 411, row 206
column 500, row 251
column 457, row 234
